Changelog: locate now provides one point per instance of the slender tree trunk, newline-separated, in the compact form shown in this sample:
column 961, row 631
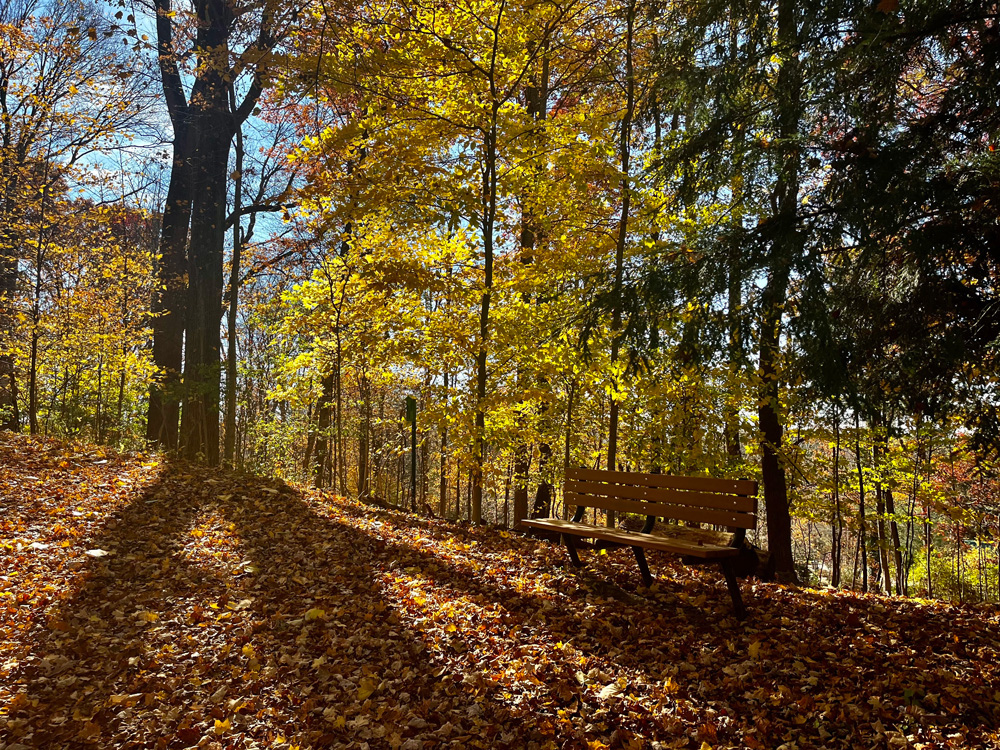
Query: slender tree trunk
column 567, row 456
column 862, row 520
column 341, row 465
column 321, row 468
column 489, row 205
column 443, row 482
column 9, row 417
column 234, row 287
column 880, row 512
column 36, row 309
column 364, row 440
column 836, row 546
column 625, row 156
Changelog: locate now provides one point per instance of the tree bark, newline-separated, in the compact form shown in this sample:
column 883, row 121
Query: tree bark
column 625, row 156
column 321, row 468
column 169, row 301
column 785, row 247
column 443, row 482
column 234, row 290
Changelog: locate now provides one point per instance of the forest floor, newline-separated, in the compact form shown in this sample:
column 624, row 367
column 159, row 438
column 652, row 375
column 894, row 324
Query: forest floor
column 144, row 604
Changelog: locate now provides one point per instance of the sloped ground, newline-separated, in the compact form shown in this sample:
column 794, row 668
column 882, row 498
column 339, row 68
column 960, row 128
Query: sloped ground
column 145, row 605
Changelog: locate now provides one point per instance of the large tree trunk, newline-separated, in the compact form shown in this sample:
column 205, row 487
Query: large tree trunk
column 203, row 344
column 170, row 296
column 169, row 304
column 786, row 245
column 211, row 131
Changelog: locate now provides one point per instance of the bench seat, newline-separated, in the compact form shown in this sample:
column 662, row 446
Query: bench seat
column 631, row 538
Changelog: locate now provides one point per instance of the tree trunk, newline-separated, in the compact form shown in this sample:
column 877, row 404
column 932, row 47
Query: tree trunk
column 625, row 156
column 836, row 546
column 443, row 482
column 785, row 246
column 321, row 469
column 489, row 207
column 862, row 519
column 234, row 287
column 364, row 440
column 169, row 301
column 779, row 524
column 211, row 130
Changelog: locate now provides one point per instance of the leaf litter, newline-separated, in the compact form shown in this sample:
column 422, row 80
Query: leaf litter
column 230, row 611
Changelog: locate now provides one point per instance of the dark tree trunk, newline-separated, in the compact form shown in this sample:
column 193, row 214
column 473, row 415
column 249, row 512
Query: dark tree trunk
column 321, row 469
column 443, row 482
column 203, row 344
column 364, row 440
column 625, row 155
column 234, row 292
column 785, row 247
column 211, row 131
column 9, row 418
column 170, row 297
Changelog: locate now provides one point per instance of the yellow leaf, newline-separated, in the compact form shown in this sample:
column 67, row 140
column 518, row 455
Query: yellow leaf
column 221, row 727
column 315, row 613
column 368, row 686
column 149, row 616
column 248, row 651
column 754, row 650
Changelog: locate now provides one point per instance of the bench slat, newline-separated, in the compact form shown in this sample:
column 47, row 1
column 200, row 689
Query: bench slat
column 646, row 541
column 672, row 497
column 680, row 512
column 704, row 484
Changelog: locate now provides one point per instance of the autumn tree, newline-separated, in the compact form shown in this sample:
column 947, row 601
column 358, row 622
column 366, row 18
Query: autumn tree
column 230, row 43
column 66, row 97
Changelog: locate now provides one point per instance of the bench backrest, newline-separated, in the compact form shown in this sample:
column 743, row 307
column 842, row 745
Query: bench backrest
column 720, row 502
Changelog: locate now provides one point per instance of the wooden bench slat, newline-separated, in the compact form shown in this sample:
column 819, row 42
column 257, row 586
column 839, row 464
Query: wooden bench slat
column 669, row 496
column 680, row 512
column 704, row 484
column 647, row 541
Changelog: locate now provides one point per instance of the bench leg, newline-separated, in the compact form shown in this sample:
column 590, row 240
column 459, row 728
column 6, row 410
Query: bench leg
column 571, row 548
column 734, row 589
column 640, row 558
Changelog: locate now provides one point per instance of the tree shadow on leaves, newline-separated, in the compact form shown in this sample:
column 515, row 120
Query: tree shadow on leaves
column 227, row 612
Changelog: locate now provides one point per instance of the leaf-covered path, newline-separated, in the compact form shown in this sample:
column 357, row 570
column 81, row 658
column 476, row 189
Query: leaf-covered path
column 147, row 605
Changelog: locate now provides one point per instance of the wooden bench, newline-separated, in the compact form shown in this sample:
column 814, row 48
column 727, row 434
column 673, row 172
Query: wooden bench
column 699, row 500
